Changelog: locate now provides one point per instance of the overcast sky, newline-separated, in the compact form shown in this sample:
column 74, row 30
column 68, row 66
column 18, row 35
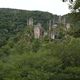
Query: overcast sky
column 53, row 6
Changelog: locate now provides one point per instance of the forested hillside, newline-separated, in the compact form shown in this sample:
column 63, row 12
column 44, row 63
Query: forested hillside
column 13, row 21
column 24, row 58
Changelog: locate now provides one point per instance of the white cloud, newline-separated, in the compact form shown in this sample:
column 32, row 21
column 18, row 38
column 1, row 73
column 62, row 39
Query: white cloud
column 53, row 6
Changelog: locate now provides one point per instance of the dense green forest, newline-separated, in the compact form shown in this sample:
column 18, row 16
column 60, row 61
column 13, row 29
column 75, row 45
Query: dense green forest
column 24, row 58
column 13, row 21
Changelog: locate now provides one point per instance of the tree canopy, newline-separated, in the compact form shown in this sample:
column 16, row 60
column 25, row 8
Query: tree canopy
column 24, row 58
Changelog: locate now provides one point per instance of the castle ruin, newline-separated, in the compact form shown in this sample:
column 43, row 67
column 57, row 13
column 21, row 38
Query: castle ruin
column 39, row 32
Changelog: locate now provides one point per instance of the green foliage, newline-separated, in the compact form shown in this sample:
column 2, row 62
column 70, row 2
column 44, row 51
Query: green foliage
column 77, row 5
column 13, row 21
column 56, row 60
column 24, row 58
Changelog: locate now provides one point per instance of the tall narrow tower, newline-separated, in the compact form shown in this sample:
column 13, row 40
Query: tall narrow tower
column 53, row 21
column 64, row 21
column 50, row 25
column 59, row 20
column 30, row 22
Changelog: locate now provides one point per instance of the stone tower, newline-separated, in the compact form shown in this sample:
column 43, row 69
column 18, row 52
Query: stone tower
column 64, row 21
column 30, row 22
column 59, row 20
column 50, row 25
column 68, row 26
column 38, row 31
column 52, row 29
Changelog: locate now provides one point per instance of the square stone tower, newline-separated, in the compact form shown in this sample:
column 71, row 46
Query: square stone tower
column 38, row 31
column 30, row 22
